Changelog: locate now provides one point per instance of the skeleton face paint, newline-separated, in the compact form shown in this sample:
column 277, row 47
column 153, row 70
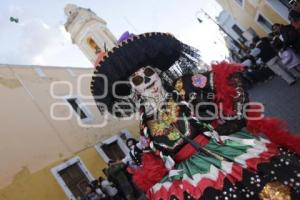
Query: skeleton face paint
column 146, row 82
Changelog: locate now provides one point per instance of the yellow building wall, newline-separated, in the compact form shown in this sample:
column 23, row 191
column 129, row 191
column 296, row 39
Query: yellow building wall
column 271, row 14
column 246, row 15
column 42, row 185
column 30, row 139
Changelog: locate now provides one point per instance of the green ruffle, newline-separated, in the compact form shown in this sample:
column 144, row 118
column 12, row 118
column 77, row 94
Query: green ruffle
column 201, row 164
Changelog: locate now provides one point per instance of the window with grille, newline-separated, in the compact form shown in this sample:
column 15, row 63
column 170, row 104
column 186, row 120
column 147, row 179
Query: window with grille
column 265, row 23
column 239, row 32
column 75, row 180
column 289, row 3
column 113, row 151
column 75, row 105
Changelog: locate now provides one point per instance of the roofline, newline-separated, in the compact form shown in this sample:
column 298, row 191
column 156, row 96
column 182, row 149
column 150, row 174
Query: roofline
column 43, row 66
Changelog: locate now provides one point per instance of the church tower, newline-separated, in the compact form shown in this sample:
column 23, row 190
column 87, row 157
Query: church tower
column 88, row 31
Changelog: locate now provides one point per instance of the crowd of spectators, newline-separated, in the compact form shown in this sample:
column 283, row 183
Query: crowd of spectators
column 277, row 54
column 118, row 184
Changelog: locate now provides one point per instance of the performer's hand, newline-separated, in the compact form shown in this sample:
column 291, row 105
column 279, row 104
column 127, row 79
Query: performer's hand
column 214, row 134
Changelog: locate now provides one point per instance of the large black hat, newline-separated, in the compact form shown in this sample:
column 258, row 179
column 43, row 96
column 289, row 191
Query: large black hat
column 158, row 50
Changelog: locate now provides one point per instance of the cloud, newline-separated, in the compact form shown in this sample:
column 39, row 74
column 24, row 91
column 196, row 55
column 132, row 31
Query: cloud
column 33, row 41
column 44, row 41
column 36, row 38
column 16, row 10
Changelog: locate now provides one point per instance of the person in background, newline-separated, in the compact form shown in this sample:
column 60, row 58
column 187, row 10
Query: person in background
column 262, row 73
column 110, row 190
column 288, row 34
column 288, row 57
column 271, row 36
column 96, row 186
column 269, row 56
column 91, row 194
column 276, row 29
column 249, row 74
column 116, row 171
column 133, row 158
column 294, row 17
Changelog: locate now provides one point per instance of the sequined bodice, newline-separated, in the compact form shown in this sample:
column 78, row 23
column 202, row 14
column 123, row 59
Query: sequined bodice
column 168, row 127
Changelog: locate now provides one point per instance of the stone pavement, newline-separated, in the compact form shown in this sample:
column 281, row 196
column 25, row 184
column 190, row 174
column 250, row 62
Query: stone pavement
column 280, row 100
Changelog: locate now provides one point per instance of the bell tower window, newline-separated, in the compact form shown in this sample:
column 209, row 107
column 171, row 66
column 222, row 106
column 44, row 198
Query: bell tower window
column 92, row 44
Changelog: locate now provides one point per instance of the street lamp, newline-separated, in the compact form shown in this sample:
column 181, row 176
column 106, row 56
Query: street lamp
column 213, row 20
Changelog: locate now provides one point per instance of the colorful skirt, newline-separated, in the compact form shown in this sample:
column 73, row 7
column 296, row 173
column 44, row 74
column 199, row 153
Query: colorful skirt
column 244, row 167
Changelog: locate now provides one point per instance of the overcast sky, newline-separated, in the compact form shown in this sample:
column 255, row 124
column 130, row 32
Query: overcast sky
column 40, row 38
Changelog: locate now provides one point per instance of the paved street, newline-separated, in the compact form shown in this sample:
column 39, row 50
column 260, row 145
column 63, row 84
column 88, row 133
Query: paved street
column 280, row 100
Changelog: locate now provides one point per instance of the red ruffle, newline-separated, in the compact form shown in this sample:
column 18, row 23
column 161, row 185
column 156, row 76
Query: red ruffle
column 275, row 129
column 225, row 89
column 178, row 187
column 197, row 191
column 151, row 172
column 263, row 157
